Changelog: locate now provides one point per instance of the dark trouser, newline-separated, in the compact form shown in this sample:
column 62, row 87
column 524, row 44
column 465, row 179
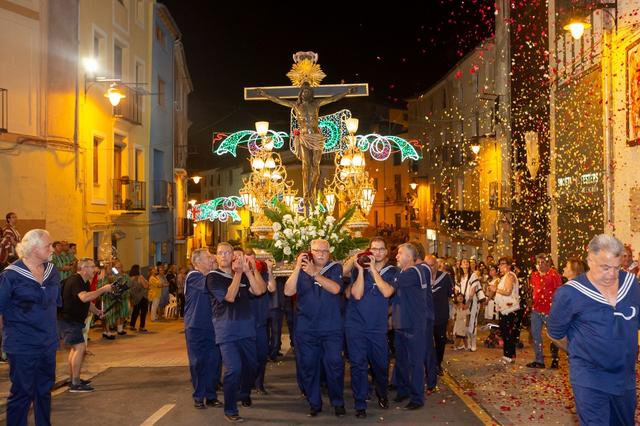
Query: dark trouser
column 509, row 333
column 241, row 364
column 274, row 330
column 315, row 350
column 409, row 369
column 595, row 407
column 290, row 312
column 204, row 363
column 262, row 354
column 440, row 341
column 140, row 309
column 430, row 366
column 32, row 377
column 368, row 349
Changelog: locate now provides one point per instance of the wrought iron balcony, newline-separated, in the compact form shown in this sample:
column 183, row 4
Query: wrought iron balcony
column 130, row 107
column 466, row 220
column 162, row 194
column 4, row 110
column 129, row 195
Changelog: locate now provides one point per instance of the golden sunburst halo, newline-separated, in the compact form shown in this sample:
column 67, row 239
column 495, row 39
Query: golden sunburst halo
column 306, row 71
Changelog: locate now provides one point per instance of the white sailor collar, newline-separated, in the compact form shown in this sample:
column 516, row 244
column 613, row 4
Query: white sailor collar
column 22, row 269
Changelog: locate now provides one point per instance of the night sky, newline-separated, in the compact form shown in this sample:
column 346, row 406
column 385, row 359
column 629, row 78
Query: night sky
column 398, row 51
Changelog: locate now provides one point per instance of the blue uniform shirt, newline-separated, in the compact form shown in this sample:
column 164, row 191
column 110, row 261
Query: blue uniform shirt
column 603, row 340
column 231, row 321
column 260, row 305
column 370, row 313
column 29, row 309
column 319, row 310
column 426, row 276
column 276, row 299
column 197, row 302
column 410, row 301
column 442, row 290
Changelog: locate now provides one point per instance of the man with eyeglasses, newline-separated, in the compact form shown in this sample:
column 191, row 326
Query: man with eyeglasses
column 319, row 328
column 76, row 304
column 366, row 325
column 230, row 287
column 595, row 318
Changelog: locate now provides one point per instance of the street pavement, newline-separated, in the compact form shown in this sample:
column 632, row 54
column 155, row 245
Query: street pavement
column 144, row 379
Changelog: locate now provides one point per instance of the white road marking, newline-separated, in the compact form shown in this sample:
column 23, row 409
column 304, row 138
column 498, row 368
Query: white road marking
column 158, row 415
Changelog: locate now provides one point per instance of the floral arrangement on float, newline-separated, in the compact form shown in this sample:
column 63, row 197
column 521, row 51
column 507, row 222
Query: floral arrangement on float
column 293, row 233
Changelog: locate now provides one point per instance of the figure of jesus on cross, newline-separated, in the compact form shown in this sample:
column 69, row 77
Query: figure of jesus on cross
column 308, row 141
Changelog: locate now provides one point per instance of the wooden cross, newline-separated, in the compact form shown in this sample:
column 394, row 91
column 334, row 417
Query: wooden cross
column 292, row 92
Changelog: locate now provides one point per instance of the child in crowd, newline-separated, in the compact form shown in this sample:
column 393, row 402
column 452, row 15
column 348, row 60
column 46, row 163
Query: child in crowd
column 461, row 315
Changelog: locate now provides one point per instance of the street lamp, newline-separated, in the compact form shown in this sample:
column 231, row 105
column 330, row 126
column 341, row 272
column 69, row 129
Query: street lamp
column 578, row 21
column 196, row 179
column 475, row 148
column 413, row 185
column 114, row 94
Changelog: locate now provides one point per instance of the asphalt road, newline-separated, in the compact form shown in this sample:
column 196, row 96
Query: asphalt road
column 162, row 396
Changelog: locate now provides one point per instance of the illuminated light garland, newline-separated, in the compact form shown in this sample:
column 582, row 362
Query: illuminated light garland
column 221, row 208
column 332, row 126
column 380, row 147
column 229, row 145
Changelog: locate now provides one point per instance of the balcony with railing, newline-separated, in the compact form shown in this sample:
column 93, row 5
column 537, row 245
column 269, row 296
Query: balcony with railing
column 4, row 110
column 130, row 107
column 162, row 196
column 465, row 220
column 129, row 195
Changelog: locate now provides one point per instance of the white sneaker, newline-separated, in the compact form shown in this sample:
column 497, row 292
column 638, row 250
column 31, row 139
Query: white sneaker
column 506, row 360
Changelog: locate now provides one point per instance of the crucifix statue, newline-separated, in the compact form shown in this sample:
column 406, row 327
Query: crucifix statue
column 308, row 142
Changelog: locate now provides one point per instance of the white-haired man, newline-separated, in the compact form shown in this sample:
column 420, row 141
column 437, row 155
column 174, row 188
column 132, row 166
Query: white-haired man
column 29, row 297
column 319, row 328
column 595, row 317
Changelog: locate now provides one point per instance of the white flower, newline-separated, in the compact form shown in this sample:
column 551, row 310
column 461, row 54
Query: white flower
column 288, row 233
column 321, row 233
column 286, row 251
column 286, row 218
column 276, row 226
column 331, row 249
column 278, row 243
column 333, row 236
column 330, row 220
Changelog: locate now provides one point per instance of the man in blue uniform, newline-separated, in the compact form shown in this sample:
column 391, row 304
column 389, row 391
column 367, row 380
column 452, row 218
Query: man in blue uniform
column 442, row 290
column 595, row 317
column 319, row 327
column 409, row 315
column 430, row 369
column 260, row 309
column 366, row 325
column 230, row 286
column 29, row 297
column 204, row 354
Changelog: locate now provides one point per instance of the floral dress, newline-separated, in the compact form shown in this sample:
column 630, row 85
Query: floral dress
column 121, row 308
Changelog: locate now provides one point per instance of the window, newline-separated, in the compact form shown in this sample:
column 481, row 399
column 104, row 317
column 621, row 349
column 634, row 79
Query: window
column 119, row 143
column 161, row 92
column 140, row 12
column 138, row 173
column 160, row 38
column 99, row 49
column 219, row 178
column 96, row 160
column 230, row 177
column 397, row 158
column 398, row 186
column 118, row 58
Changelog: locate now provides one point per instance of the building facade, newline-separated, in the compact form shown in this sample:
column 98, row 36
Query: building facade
column 594, row 128
column 75, row 164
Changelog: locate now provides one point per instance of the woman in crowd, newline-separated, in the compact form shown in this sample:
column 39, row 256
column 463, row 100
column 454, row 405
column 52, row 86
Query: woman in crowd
column 139, row 298
column 507, row 301
column 469, row 286
column 490, row 312
column 573, row 268
column 180, row 279
column 155, row 291
column 116, row 307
